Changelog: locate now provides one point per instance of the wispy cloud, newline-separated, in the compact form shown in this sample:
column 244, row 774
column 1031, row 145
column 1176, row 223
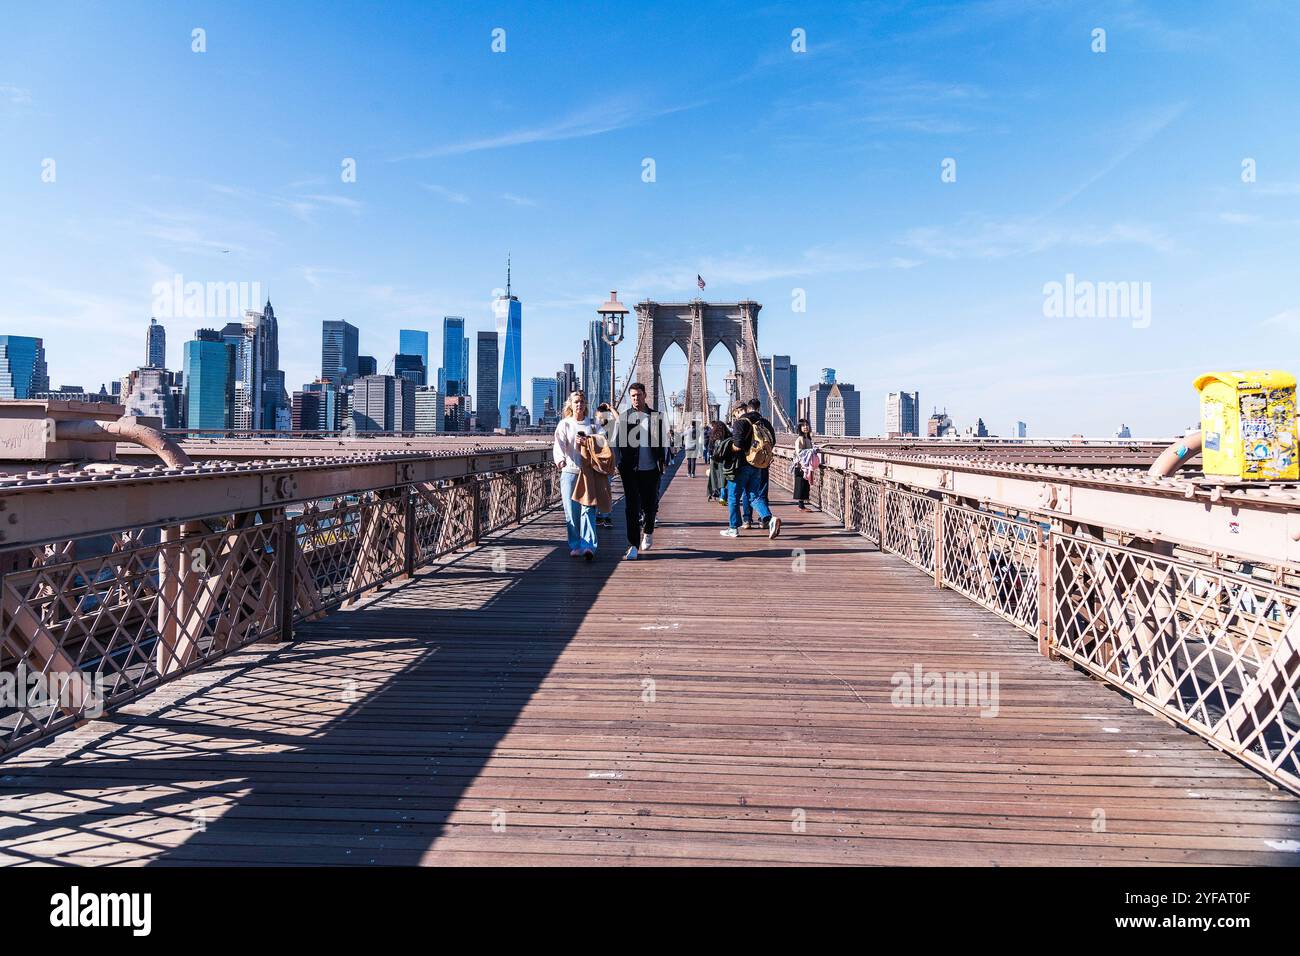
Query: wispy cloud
column 518, row 200
column 303, row 207
column 744, row 269
column 15, row 95
column 602, row 117
column 1287, row 320
column 997, row 239
column 1133, row 137
column 448, row 194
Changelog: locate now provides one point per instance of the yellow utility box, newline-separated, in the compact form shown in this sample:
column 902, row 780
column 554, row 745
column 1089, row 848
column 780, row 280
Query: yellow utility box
column 1248, row 425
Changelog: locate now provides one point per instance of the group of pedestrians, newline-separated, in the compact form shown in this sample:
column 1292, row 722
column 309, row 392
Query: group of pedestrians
column 588, row 450
column 740, row 462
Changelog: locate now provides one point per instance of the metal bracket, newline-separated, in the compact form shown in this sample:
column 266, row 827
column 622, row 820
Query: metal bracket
column 278, row 487
column 1054, row 497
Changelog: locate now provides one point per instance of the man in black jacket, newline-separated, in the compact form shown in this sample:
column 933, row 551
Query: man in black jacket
column 640, row 446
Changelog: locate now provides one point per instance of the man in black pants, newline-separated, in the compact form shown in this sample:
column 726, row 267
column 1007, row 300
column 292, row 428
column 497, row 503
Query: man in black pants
column 640, row 444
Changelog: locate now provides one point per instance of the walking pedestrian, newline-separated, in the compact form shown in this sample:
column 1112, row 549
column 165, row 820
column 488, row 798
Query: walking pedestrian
column 574, row 431
column 606, row 418
column 803, row 441
column 641, row 448
column 722, row 462
column 756, row 407
column 753, row 440
column 691, row 441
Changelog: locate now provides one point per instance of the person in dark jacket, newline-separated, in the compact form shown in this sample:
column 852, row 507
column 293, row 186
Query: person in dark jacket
column 722, row 463
column 748, row 478
column 641, row 448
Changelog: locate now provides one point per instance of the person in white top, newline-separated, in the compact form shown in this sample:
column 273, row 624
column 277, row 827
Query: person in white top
column 575, row 428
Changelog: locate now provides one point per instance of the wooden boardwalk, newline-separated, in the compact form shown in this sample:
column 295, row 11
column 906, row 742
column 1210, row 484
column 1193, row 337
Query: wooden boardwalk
column 718, row 701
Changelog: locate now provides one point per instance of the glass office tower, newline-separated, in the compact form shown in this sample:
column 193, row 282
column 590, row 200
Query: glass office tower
column 338, row 353
column 413, row 342
column 22, row 366
column 511, row 395
column 453, row 377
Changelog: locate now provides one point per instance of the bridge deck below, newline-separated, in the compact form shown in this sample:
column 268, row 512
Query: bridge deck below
column 498, row 711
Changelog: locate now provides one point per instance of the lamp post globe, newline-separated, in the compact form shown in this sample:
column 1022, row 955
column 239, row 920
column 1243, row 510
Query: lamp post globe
column 612, row 315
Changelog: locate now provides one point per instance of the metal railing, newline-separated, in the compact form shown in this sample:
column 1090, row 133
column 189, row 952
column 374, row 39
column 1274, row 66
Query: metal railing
column 1197, row 637
column 88, row 624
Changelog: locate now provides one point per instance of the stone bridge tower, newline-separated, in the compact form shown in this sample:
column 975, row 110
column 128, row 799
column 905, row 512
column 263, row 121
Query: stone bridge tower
column 697, row 327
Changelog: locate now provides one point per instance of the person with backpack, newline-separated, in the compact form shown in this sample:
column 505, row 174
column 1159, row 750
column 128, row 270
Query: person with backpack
column 753, row 440
column 720, row 470
column 747, row 506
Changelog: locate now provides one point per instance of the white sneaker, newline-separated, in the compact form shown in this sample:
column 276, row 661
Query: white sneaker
column 646, row 541
column 748, row 525
column 729, row 533
column 631, row 554
column 774, row 528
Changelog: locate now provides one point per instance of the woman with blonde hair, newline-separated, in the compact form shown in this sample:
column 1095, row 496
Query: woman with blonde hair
column 575, row 429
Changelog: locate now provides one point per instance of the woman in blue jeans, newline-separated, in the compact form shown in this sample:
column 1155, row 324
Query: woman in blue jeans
column 574, row 429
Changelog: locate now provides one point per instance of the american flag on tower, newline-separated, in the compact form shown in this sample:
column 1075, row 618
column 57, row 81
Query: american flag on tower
column 699, row 280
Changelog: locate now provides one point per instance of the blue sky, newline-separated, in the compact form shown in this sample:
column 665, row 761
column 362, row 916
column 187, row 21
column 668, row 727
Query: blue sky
column 774, row 171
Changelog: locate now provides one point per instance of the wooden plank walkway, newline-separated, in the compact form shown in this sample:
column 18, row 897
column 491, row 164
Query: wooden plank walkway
column 498, row 711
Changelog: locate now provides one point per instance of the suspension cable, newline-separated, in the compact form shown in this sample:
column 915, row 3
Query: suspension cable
column 774, row 401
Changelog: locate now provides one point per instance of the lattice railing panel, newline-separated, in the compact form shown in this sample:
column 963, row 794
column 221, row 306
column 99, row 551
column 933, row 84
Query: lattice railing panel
column 1217, row 652
column 350, row 546
column 909, row 527
column 99, row 631
column 863, row 515
column 993, row 560
column 831, row 484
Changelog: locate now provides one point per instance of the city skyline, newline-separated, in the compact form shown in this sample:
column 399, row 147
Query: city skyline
column 1136, row 172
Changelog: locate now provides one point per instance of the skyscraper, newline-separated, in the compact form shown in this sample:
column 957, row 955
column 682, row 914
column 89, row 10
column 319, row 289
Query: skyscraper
column 209, row 381
column 596, row 363
column 259, row 384
column 414, row 342
column 412, row 367
column 155, row 345
column 488, row 359
column 903, row 414
column 338, row 352
column 367, row 365
column 429, row 410
column 22, row 366
column 510, row 312
column 453, row 377
column 834, row 408
column 274, row 403
column 383, row 403
column 783, row 378
column 150, row 395
column 566, row 380
column 546, row 406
